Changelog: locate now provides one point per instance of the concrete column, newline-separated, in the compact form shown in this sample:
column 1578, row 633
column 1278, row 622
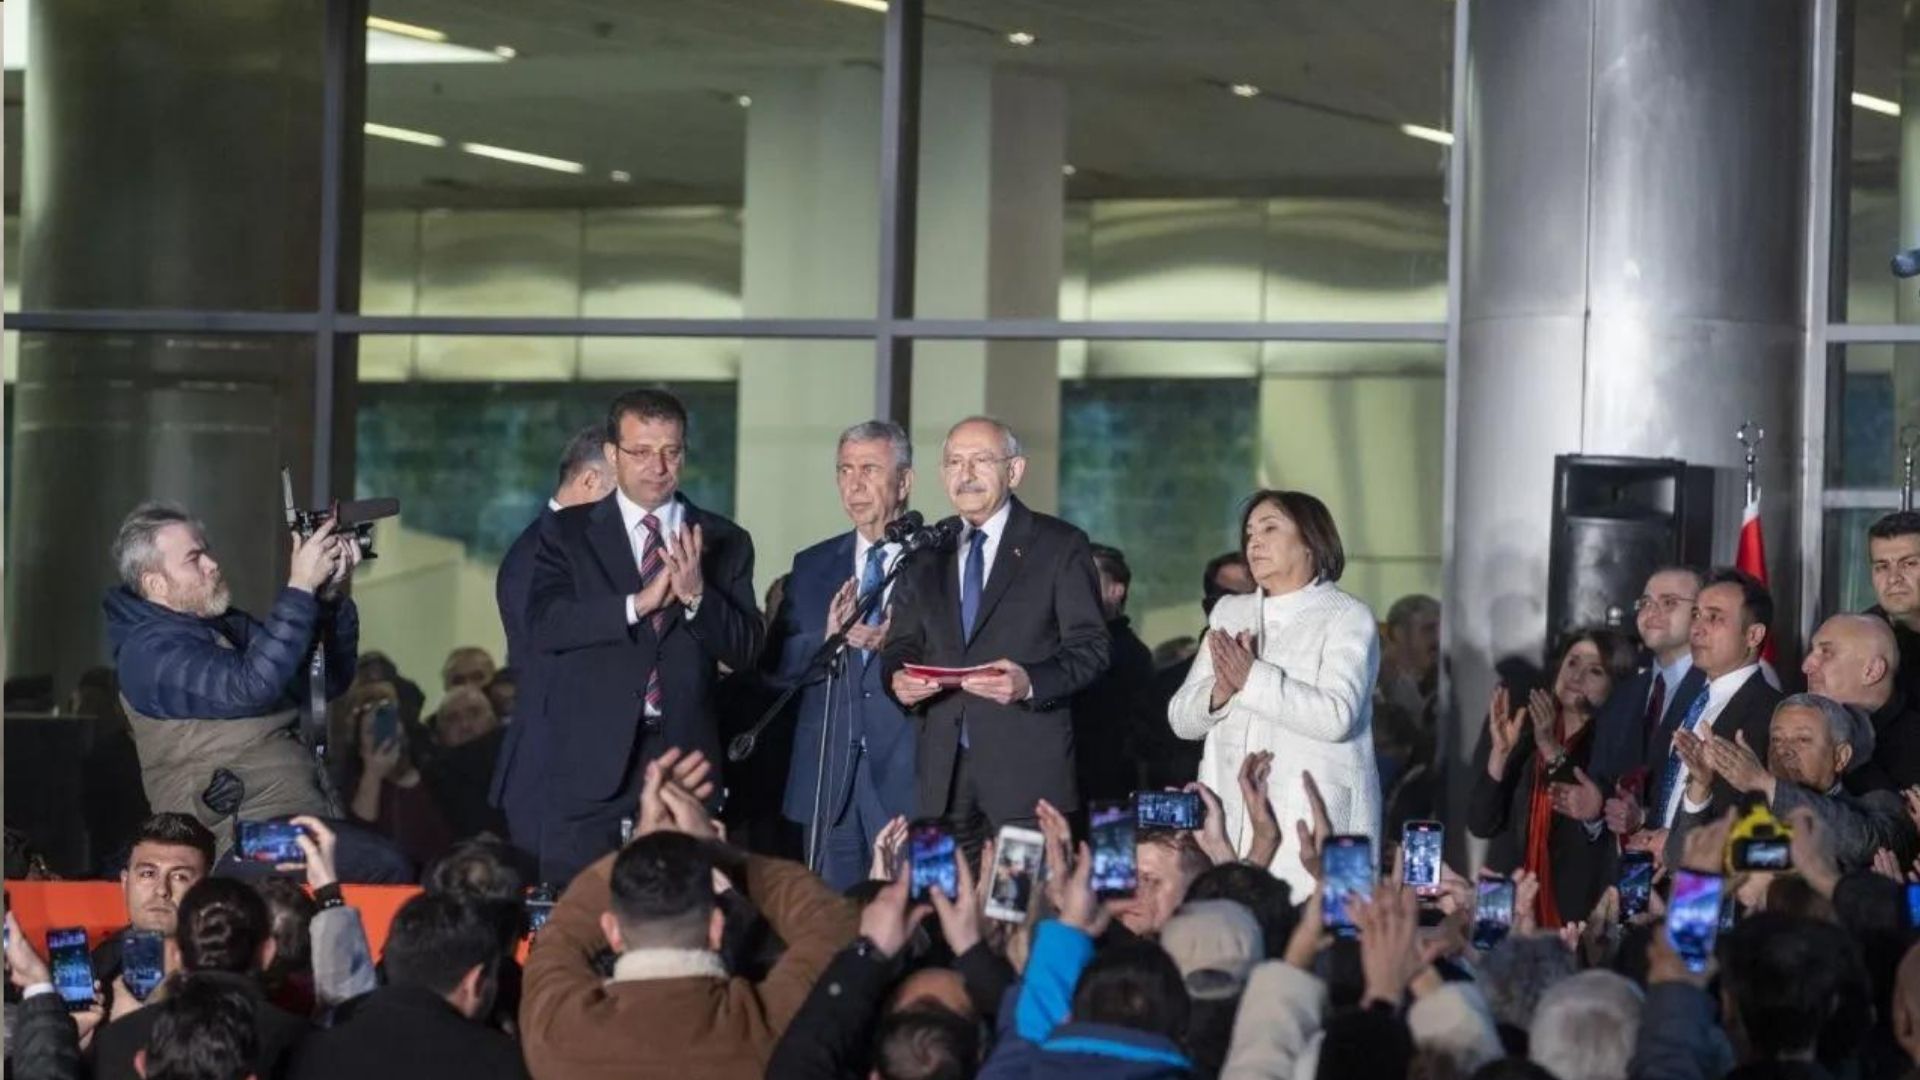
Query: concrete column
column 1632, row 283
column 161, row 171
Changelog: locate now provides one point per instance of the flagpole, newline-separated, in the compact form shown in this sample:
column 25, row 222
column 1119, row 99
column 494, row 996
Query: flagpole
column 1749, row 435
column 1909, row 436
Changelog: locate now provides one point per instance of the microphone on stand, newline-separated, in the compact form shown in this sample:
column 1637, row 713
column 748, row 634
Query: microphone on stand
column 938, row 535
column 902, row 527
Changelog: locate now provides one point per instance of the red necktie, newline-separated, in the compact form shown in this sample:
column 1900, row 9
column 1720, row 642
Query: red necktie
column 653, row 561
column 1657, row 704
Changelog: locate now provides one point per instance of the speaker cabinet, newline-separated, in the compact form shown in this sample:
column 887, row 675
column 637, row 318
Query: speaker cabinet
column 1615, row 521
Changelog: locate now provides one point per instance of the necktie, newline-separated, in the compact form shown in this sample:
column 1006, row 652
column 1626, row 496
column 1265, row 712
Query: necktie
column 971, row 582
column 653, row 561
column 1657, row 704
column 870, row 578
column 1670, row 776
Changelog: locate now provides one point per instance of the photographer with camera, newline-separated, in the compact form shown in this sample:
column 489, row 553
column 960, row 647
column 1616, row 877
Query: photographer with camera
column 213, row 694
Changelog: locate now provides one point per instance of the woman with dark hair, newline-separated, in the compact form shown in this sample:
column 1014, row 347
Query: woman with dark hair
column 1530, row 775
column 1288, row 669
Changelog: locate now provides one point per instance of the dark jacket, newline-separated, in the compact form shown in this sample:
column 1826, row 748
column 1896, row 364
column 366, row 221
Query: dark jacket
column 1680, row 1036
column 1895, row 764
column 1855, row 826
column 204, row 695
column 1748, row 712
column 1036, row 1043
column 1111, row 717
column 519, row 773
column 597, row 666
column 278, row 1032
column 1040, row 608
column 1583, row 860
column 408, row 1033
column 42, row 1041
column 1625, row 744
column 1909, row 643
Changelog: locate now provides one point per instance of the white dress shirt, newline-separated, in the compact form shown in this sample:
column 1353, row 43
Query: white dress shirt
column 553, row 505
column 995, row 527
column 862, row 545
column 1719, row 692
column 669, row 516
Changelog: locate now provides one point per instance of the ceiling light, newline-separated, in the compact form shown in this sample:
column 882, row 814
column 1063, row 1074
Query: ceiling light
column 1876, row 104
column 521, row 157
column 745, row 100
column 1432, row 135
column 389, row 48
column 391, row 26
column 1068, row 170
column 505, row 52
column 1247, row 90
column 400, row 134
column 870, row 5
column 1021, row 38
column 620, row 176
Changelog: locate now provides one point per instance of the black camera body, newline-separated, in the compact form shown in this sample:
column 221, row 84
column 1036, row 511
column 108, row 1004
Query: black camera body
column 353, row 519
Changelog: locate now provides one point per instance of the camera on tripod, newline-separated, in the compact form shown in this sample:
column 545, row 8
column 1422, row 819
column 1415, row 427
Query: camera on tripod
column 354, row 519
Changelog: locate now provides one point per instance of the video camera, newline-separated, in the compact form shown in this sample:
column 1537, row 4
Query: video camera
column 354, row 518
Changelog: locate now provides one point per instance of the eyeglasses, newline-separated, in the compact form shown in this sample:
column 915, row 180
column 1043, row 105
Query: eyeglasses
column 668, row 455
column 976, row 463
column 1667, row 604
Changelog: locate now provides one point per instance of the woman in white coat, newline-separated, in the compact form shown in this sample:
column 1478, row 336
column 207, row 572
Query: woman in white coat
column 1288, row 669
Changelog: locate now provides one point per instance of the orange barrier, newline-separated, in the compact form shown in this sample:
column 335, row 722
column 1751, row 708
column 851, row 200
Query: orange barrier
column 101, row 907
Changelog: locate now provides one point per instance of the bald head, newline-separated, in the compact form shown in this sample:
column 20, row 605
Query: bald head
column 1852, row 660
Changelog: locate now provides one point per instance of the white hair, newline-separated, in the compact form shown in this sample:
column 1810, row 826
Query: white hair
column 876, row 430
column 1007, row 437
column 1585, row 1027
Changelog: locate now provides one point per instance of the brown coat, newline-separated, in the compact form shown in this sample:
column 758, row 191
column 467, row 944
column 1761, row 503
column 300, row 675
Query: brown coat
column 576, row 1026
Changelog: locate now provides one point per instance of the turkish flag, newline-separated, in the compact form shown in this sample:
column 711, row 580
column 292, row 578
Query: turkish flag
column 1751, row 558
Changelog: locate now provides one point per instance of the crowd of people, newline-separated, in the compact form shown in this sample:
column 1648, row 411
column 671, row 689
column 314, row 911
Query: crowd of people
column 1693, row 867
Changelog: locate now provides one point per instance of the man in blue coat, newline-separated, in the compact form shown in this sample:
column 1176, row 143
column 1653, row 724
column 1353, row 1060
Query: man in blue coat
column 519, row 776
column 866, row 777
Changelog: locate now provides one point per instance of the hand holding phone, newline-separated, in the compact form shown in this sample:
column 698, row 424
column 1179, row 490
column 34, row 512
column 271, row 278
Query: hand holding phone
column 1347, row 866
column 930, row 855
column 1492, row 911
column 276, row 842
column 142, row 962
column 1018, row 855
column 1422, row 844
column 71, row 967
column 1636, row 883
column 1115, row 873
column 1181, row 810
column 538, row 902
column 1693, row 917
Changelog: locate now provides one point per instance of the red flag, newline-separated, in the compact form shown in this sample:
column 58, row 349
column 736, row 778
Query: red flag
column 1752, row 558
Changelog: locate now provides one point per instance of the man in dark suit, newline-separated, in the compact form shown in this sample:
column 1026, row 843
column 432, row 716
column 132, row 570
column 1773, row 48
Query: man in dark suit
column 1730, row 625
column 1636, row 726
column 636, row 601
column 1111, row 718
column 1019, row 597
column 866, row 778
column 519, row 786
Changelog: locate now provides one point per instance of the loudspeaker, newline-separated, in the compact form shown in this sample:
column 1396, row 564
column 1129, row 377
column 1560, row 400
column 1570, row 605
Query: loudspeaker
column 1615, row 521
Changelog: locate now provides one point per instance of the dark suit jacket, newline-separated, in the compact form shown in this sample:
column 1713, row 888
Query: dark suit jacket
column 1750, row 711
column 279, row 1033
column 408, row 1033
column 1895, row 764
column 1040, row 608
column 1583, row 864
column 519, row 773
column 862, row 710
column 583, row 578
column 1623, row 743
column 1113, row 718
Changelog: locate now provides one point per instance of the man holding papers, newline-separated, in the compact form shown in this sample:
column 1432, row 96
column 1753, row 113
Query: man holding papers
column 1014, row 615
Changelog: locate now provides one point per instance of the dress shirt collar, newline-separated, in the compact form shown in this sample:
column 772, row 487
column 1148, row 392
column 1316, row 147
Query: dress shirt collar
column 861, row 545
column 553, row 505
column 669, row 515
column 995, row 526
column 1674, row 672
column 1722, row 689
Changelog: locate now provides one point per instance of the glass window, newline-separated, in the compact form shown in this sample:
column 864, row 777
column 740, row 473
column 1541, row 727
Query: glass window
column 695, row 160
column 1873, row 397
column 1876, row 192
column 1142, row 163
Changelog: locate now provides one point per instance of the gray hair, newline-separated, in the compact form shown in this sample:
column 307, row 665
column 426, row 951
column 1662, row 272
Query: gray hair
column 874, row 431
column 1007, row 437
column 586, row 450
column 134, row 553
column 1585, row 1027
column 1845, row 724
column 1519, row 972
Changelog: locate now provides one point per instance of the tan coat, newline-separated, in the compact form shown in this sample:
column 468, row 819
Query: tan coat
column 667, row 1017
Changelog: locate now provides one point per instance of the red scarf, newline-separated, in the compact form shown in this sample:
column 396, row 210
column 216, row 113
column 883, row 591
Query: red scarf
column 1539, row 859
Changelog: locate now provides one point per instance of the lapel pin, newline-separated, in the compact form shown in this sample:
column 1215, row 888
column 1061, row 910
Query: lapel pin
column 1016, row 553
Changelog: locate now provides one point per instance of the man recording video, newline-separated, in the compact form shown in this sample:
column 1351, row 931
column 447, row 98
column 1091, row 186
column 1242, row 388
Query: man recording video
column 213, row 694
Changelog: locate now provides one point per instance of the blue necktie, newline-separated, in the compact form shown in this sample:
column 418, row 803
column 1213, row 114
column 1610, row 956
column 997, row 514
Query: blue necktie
column 971, row 582
column 1671, row 774
column 876, row 569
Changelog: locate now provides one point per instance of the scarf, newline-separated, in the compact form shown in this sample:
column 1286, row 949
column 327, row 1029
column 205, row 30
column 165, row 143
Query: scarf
column 1539, row 856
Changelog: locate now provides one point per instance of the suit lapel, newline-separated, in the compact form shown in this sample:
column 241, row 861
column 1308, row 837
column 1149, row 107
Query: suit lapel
column 1730, row 718
column 607, row 535
column 1006, row 562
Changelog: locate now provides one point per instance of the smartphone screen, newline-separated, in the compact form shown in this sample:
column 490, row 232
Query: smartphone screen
column 1913, row 905
column 539, row 906
column 1170, row 810
column 1492, row 911
column 1423, row 842
column 1017, row 857
column 930, row 859
column 1636, row 883
column 1756, row 853
column 1347, row 864
column 1114, row 872
column 142, row 961
column 1693, row 917
column 386, row 723
column 269, row 841
column 71, row 966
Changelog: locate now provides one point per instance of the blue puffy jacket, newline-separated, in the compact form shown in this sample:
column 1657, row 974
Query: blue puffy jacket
column 173, row 665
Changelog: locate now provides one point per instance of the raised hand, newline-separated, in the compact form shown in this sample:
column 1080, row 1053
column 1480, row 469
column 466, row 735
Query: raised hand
column 1390, row 955
column 1059, row 838
column 1624, row 812
column 1739, row 765
column 1313, row 840
column 888, row 920
column 1504, row 725
column 960, row 915
column 1212, row 834
column 1544, row 713
column 1526, row 909
column 886, row 849
column 1580, row 800
column 1232, row 656
column 1693, row 751
column 1255, row 769
column 683, row 551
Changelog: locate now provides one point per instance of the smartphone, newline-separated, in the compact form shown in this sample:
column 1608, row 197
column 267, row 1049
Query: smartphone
column 1762, row 853
column 930, row 854
column 386, row 723
column 1170, row 810
column 1636, row 883
column 1018, row 855
column 1347, row 868
column 1114, row 871
column 539, row 905
column 1693, row 917
column 1913, row 905
column 1492, row 911
column 72, row 967
column 142, row 961
column 269, row 841
column 1423, row 843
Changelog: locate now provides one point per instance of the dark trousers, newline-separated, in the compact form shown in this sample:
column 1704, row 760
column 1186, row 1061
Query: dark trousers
column 966, row 818
column 844, row 853
column 577, row 831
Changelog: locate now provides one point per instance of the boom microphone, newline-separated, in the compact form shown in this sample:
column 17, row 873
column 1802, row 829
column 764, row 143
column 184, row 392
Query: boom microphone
column 904, row 526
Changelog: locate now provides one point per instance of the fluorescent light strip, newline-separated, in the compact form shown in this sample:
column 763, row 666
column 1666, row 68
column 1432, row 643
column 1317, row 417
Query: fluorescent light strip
column 870, row 5
column 400, row 134
column 424, row 33
column 1875, row 104
column 1432, row 135
column 521, row 157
